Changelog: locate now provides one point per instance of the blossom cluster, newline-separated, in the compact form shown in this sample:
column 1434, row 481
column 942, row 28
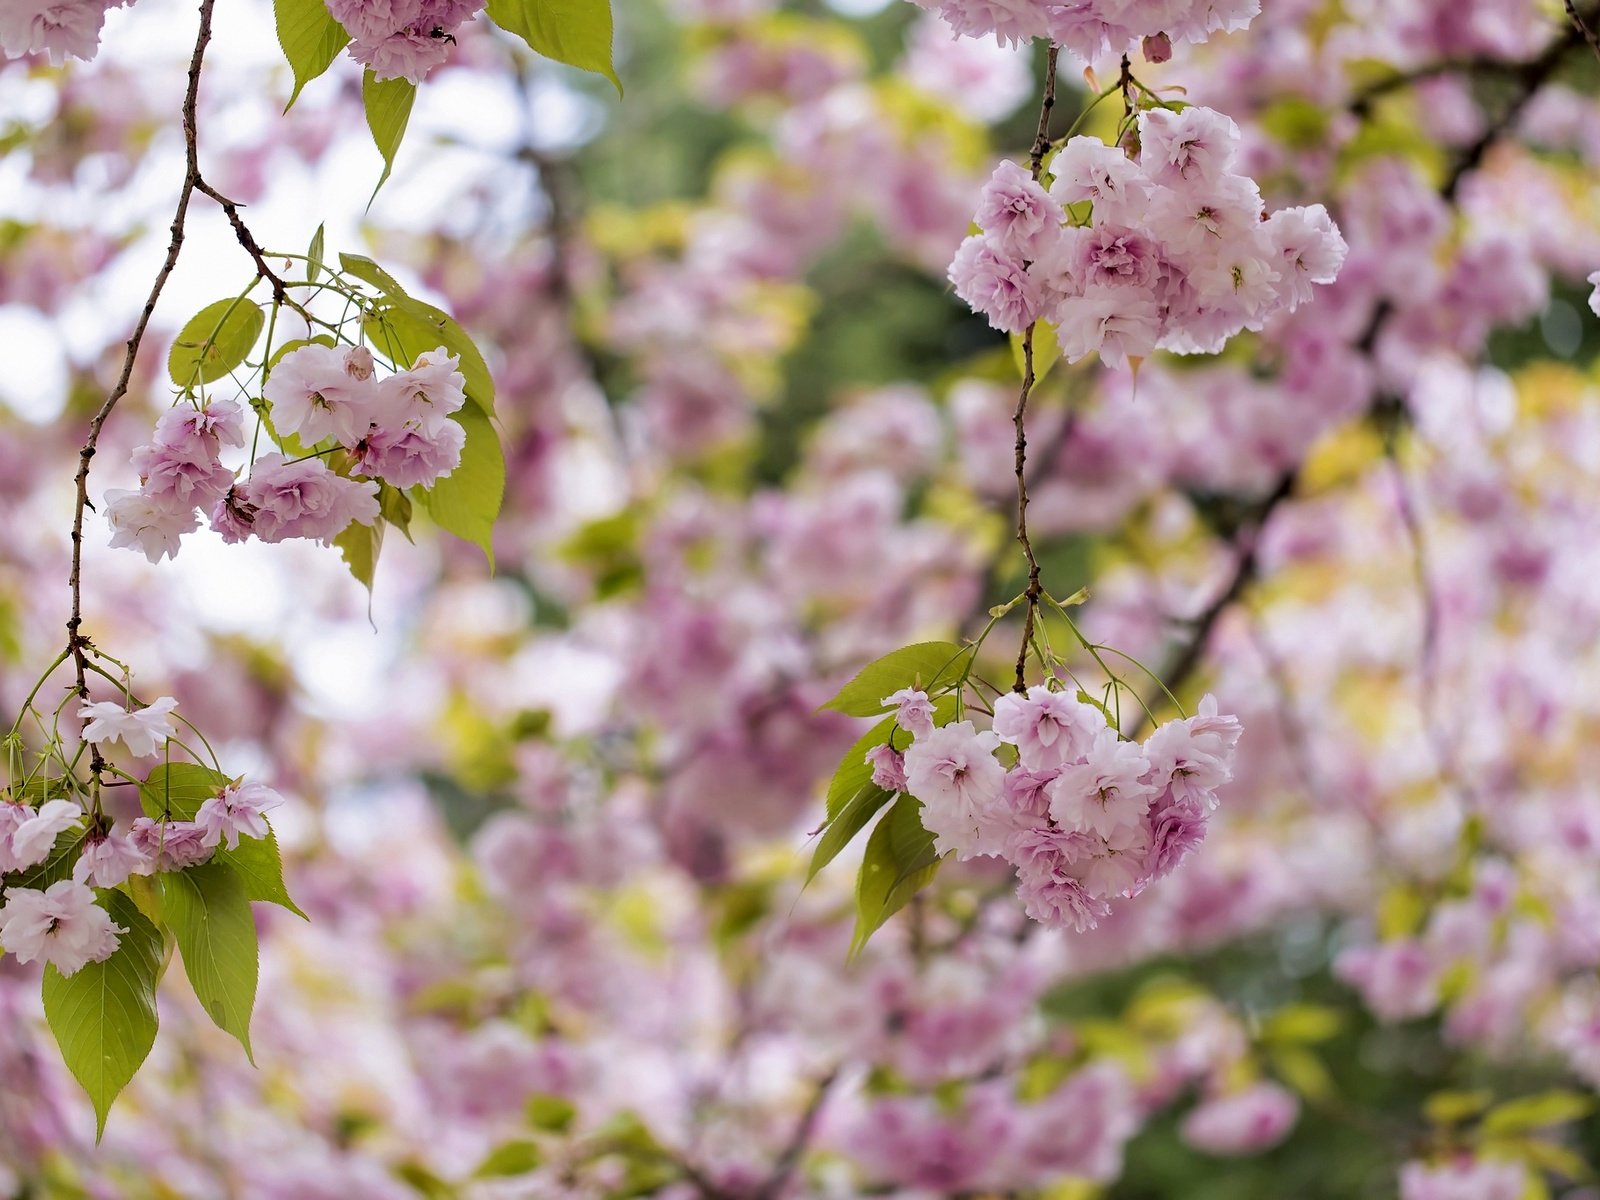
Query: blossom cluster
column 64, row 924
column 59, row 29
column 1085, row 815
column 1172, row 251
column 1092, row 29
column 395, row 428
column 402, row 39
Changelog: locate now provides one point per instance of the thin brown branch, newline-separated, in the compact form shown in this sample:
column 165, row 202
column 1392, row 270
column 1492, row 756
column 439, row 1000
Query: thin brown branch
column 1041, row 147
column 76, row 641
column 1583, row 26
column 774, row 1185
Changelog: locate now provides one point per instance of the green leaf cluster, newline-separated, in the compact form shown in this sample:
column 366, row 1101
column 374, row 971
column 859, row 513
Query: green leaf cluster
column 900, row 859
column 104, row 1016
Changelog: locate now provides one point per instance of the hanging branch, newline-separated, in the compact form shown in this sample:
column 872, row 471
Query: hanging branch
column 1041, row 147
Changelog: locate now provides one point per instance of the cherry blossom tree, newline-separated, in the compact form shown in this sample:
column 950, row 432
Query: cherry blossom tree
column 749, row 600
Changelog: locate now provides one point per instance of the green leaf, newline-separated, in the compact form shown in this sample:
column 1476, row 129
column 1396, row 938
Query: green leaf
column 311, row 40
column 900, row 861
column 177, row 790
column 467, row 501
column 1452, row 1107
column 314, row 252
column 388, row 106
column 1303, row 1071
column 394, row 506
column 104, row 1015
column 209, row 913
column 364, row 269
column 554, row 1114
column 214, row 341
column 1302, row 1024
column 850, row 820
column 359, row 545
column 1527, row 1113
column 1046, row 351
column 259, row 865
column 575, row 32
column 926, row 665
column 511, row 1158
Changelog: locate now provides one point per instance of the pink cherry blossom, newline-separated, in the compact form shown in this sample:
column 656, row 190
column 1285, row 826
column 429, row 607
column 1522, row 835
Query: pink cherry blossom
column 1243, row 1122
column 412, row 456
column 1104, row 792
column 142, row 730
column 1464, row 1178
column 314, row 396
column 169, row 845
column 1048, row 728
column 284, row 499
column 153, row 524
column 913, row 711
column 63, row 925
column 995, row 284
column 888, row 768
column 236, row 811
column 1049, row 890
column 107, row 861
column 28, row 835
column 955, row 774
column 60, row 29
column 1017, row 212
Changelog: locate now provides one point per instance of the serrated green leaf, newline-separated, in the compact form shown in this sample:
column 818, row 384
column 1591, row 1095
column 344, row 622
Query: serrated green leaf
column 900, row 861
column 927, row 665
column 575, row 32
column 388, row 106
column 467, row 501
column 104, row 1015
column 364, row 269
column 214, row 341
column 259, row 864
column 1526, row 1113
column 311, row 39
column 511, row 1158
column 209, row 913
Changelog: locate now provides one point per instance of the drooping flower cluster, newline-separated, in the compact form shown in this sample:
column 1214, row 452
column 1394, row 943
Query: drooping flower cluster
column 59, row 29
column 1093, row 29
column 395, row 428
column 64, row 924
column 1172, row 251
column 402, row 39
column 1085, row 815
